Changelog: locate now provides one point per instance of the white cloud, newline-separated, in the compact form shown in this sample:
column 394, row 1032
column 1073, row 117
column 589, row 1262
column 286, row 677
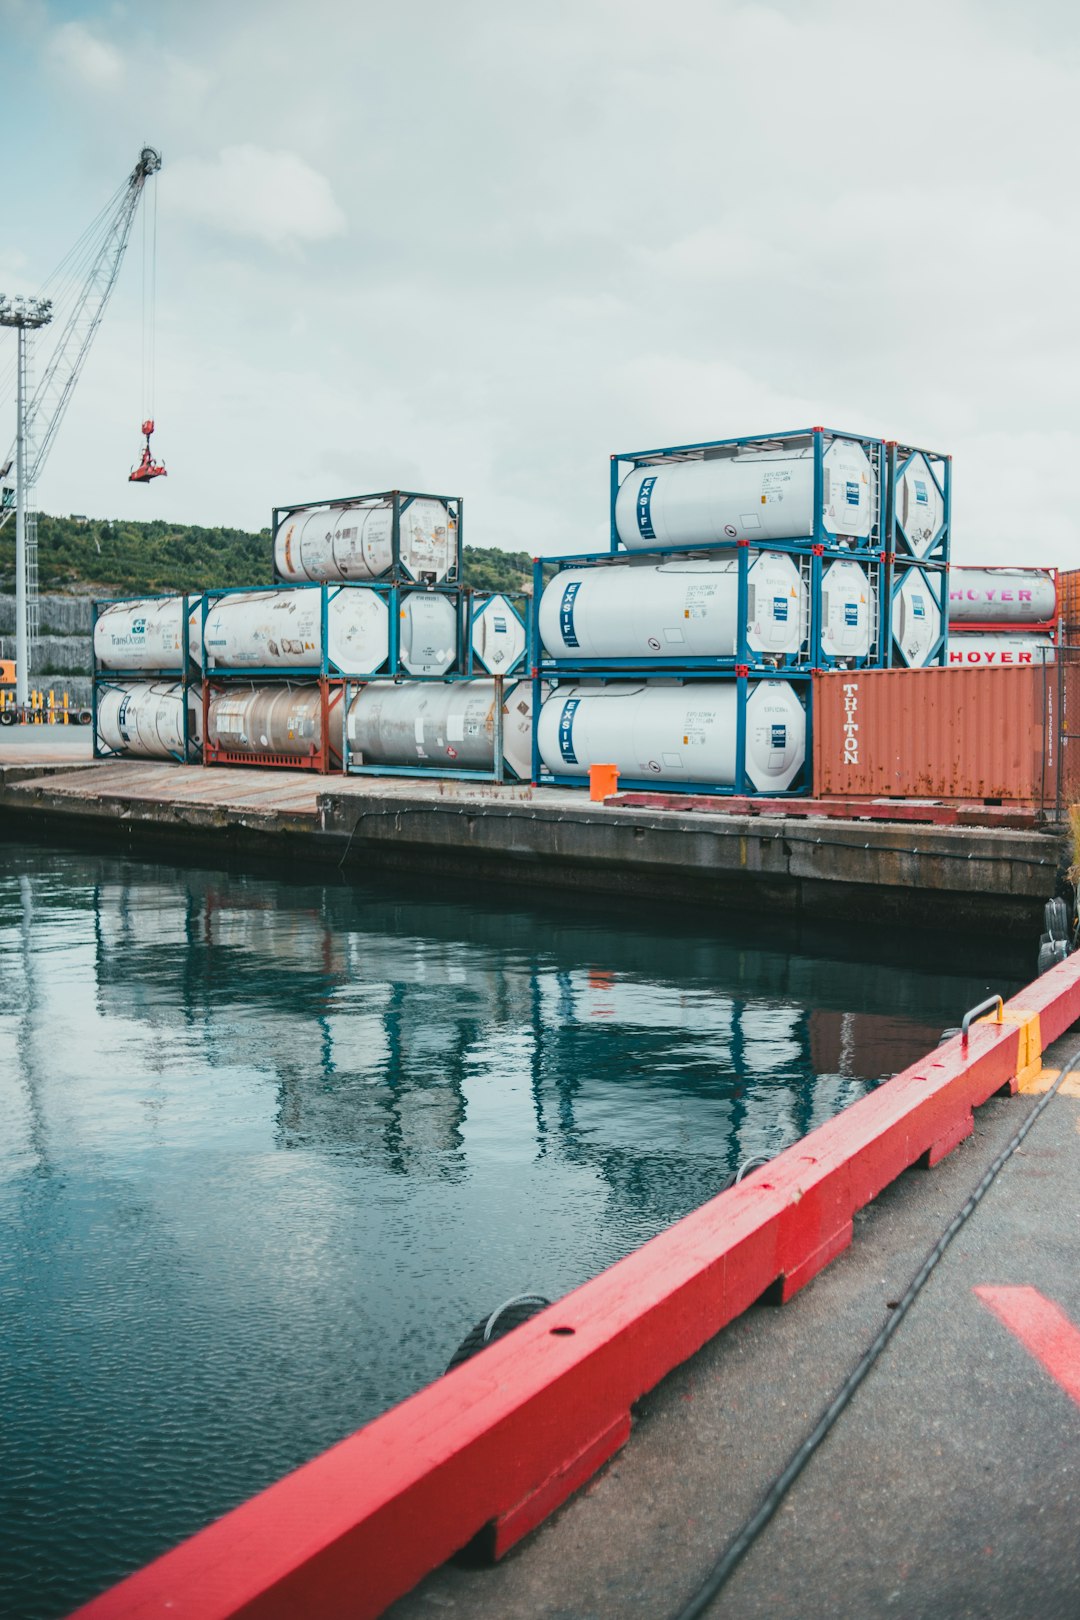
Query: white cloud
column 81, row 56
column 572, row 231
column 271, row 196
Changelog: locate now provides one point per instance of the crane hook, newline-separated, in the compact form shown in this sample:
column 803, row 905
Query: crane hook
column 148, row 468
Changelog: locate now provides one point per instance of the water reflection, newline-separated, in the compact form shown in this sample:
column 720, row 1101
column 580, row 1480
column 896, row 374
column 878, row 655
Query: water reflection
column 272, row 1146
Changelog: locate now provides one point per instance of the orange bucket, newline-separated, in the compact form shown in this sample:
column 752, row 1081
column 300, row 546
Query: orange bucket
column 603, row 781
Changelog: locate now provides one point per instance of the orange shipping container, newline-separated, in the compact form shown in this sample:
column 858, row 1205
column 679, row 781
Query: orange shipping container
column 1069, row 603
column 996, row 735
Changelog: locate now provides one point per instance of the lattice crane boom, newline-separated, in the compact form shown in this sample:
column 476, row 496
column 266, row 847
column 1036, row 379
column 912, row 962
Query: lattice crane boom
column 51, row 397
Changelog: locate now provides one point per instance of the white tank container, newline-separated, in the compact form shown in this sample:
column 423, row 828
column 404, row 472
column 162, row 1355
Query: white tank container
column 685, row 609
column 498, row 636
column 282, row 720
column 431, row 724
column 916, row 618
column 146, row 719
column 675, row 733
column 747, row 494
column 919, row 506
column 283, row 630
column 1001, row 596
column 848, row 610
column 428, row 633
column 355, row 542
column 982, row 651
column 147, row 633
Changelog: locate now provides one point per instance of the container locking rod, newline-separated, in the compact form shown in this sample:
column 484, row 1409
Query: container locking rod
column 984, row 1006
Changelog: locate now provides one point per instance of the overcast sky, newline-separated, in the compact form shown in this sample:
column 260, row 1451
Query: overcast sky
column 475, row 248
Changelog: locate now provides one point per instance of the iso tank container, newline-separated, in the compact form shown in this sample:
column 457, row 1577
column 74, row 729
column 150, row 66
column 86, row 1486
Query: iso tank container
column 280, row 721
column 982, row 651
column 497, row 634
column 919, row 502
column 147, row 633
column 916, row 617
column 269, row 630
column 354, row 540
column 752, row 492
column 1005, row 596
column 676, row 733
column 952, row 734
column 849, row 610
column 146, row 719
column 675, row 610
column 429, row 724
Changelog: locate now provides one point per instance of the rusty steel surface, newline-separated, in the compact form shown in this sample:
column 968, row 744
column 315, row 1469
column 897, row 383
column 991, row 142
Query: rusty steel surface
column 997, row 735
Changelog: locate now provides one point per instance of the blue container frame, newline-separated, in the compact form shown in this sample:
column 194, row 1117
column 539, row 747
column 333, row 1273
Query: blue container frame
column 939, row 465
column 187, row 675
column 819, row 439
column 542, row 777
column 400, row 500
column 465, row 667
column 498, row 773
column 899, row 570
column 753, row 660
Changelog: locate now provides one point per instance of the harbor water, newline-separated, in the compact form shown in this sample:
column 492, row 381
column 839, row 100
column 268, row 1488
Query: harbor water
column 272, row 1145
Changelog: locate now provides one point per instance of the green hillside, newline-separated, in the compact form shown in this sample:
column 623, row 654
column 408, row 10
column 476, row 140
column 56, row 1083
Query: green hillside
column 119, row 558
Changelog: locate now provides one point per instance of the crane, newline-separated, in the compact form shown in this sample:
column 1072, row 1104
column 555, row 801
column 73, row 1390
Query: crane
column 83, row 285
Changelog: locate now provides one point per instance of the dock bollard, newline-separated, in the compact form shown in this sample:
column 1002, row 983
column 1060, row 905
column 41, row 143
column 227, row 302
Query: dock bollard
column 603, row 781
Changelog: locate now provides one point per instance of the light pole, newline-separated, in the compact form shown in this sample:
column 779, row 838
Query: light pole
column 25, row 314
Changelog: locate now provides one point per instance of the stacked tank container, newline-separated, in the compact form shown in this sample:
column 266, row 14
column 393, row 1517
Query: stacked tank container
column 683, row 655
column 919, row 538
column 1001, row 616
column 367, row 600
column 147, row 678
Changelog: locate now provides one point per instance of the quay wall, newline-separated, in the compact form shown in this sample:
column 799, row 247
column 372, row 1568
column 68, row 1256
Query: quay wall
column 852, row 872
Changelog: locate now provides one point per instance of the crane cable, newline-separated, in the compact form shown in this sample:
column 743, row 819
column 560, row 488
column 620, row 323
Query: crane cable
column 149, row 304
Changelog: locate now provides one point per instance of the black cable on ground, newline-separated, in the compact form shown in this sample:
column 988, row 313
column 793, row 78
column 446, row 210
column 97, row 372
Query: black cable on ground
column 783, row 1482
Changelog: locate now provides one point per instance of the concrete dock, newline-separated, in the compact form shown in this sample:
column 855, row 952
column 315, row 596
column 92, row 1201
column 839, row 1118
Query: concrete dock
column 949, row 1487
column 867, row 870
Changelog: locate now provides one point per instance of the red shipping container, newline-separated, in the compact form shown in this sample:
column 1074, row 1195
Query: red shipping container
column 996, row 735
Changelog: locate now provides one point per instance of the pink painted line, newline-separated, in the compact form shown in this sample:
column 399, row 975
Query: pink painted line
column 1042, row 1328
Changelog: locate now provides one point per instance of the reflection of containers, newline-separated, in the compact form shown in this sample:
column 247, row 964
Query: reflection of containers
column 146, row 719
column 755, row 490
column 146, row 633
column 675, row 733
column 916, row 616
column 451, row 724
column 370, row 537
column 849, row 610
column 674, row 610
column 498, row 634
column 864, row 1046
column 274, row 723
column 982, row 650
column 968, row 734
column 1005, row 596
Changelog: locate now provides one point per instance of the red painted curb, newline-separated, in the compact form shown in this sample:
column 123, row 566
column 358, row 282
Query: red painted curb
column 505, row 1438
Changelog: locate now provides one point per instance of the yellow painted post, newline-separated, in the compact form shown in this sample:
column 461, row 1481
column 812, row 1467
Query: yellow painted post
column 65, row 708
column 52, row 708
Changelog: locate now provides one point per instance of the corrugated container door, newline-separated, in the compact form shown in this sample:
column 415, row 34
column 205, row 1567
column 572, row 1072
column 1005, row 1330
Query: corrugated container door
column 988, row 735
